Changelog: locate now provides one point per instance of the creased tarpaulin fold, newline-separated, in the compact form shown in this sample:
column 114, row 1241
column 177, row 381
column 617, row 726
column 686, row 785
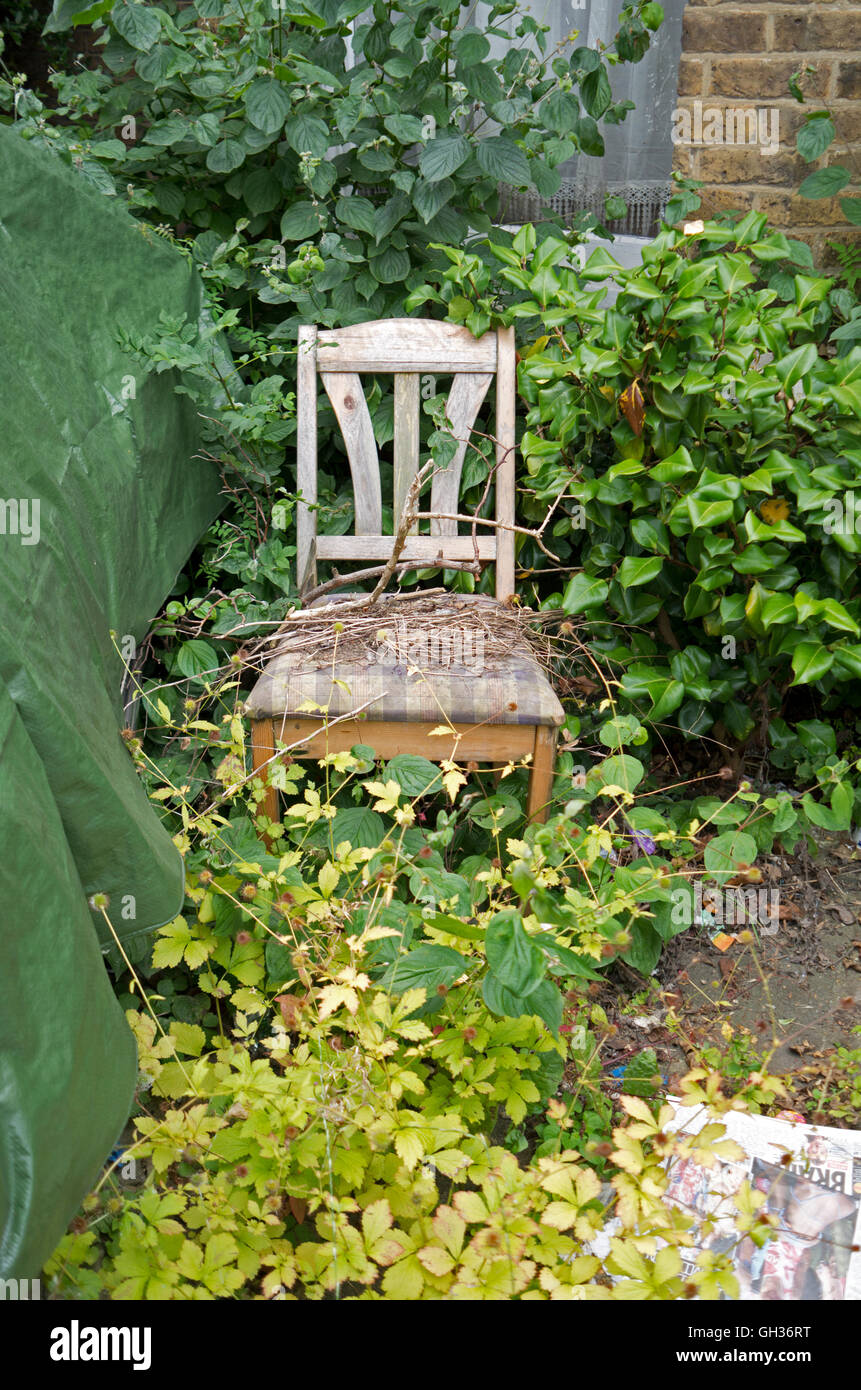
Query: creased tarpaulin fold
column 106, row 453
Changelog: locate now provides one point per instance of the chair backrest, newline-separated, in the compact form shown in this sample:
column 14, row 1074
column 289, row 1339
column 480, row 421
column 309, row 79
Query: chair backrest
column 408, row 348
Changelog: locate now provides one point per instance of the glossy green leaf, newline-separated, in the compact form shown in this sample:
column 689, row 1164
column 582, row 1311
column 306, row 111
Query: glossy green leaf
column 584, row 592
column 646, row 945
column 637, row 570
column 810, row 661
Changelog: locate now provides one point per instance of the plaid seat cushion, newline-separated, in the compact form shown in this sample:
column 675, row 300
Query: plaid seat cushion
column 414, row 674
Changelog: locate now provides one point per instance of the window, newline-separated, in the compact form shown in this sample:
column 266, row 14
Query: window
column 638, row 153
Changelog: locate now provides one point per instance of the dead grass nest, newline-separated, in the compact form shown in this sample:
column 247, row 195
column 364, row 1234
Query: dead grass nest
column 433, row 629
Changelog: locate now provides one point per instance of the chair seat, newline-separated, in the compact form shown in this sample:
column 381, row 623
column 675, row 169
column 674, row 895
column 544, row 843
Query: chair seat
column 415, row 675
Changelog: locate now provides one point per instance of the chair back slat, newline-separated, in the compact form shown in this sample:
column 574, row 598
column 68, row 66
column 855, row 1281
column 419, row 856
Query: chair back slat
column 405, row 345
column 407, row 348
column 406, row 440
column 464, row 402
column 506, row 386
column 345, row 391
column 306, row 457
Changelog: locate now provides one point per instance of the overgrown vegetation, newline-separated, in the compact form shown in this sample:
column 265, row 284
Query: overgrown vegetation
column 371, row 1052
column 386, row 1021
column 305, row 158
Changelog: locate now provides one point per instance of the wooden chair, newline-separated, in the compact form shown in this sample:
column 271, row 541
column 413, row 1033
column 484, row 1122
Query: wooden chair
column 502, row 715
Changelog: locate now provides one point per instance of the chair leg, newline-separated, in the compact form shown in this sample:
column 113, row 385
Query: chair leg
column 262, row 749
column 541, row 776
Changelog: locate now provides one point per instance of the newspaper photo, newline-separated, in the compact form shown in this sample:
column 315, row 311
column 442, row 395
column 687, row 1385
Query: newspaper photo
column 810, row 1177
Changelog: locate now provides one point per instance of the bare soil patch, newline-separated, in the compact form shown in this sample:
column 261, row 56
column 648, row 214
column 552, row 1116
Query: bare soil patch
column 795, row 995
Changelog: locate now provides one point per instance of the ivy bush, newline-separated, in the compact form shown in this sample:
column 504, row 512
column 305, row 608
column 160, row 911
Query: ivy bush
column 702, row 432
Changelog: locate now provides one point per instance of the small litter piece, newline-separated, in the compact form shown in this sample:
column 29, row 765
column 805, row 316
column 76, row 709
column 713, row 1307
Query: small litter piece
column 723, row 940
column 117, row 1160
column 618, row 1073
column 647, row 1021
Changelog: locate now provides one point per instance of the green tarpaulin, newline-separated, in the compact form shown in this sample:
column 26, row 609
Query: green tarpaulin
column 101, row 501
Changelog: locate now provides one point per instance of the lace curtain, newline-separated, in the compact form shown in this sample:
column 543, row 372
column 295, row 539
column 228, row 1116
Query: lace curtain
column 638, row 153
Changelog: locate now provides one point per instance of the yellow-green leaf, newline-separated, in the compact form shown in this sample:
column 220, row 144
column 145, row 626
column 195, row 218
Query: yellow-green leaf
column 409, row 1147
column 328, row 878
column 436, row 1260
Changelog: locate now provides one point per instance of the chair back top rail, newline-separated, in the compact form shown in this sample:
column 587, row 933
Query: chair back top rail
column 405, row 345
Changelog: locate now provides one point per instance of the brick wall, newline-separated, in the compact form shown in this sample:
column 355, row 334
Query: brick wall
column 738, row 56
